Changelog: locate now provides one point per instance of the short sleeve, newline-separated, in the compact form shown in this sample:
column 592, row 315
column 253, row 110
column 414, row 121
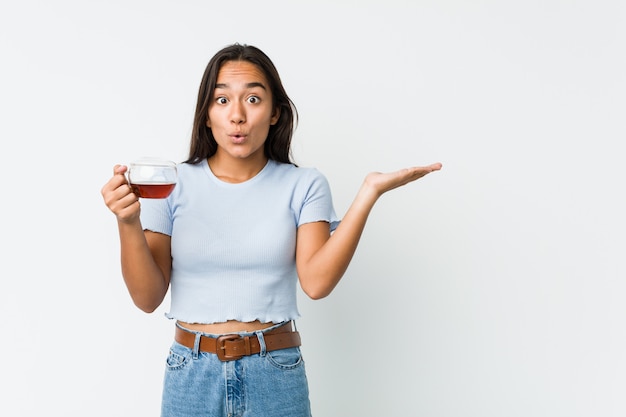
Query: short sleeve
column 156, row 215
column 317, row 203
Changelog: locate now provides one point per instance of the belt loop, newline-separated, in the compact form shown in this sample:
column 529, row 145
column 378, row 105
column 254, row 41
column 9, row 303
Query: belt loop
column 262, row 346
column 246, row 345
column 196, row 346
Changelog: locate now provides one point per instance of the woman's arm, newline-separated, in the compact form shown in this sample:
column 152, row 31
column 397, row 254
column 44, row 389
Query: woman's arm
column 145, row 256
column 322, row 258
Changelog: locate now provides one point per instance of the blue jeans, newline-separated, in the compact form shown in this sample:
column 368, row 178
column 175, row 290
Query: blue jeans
column 198, row 384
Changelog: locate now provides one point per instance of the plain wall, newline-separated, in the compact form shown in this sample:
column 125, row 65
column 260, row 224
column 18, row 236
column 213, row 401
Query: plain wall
column 491, row 288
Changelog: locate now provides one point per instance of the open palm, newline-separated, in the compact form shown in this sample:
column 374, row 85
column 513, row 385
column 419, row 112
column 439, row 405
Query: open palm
column 383, row 182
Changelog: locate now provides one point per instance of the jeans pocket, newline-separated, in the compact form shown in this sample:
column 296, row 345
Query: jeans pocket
column 177, row 357
column 285, row 358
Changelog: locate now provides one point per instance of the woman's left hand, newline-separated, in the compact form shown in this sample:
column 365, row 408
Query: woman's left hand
column 380, row 182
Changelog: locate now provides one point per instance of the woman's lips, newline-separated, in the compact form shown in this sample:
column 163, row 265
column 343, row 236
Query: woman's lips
column 237, row 138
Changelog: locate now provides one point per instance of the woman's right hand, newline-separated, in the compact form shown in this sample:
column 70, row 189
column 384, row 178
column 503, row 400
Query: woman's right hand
column 119, row 197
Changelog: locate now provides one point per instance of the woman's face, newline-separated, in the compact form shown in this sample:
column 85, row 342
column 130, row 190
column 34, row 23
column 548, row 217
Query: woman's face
column 242, row 111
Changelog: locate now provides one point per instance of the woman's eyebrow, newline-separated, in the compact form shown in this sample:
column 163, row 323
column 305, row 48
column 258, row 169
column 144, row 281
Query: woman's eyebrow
column 249, row 85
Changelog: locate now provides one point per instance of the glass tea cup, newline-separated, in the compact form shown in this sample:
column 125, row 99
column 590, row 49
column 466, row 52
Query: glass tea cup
column 152, row 177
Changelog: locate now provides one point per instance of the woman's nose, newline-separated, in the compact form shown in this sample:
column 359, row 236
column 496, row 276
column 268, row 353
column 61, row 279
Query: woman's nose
column 237, row 114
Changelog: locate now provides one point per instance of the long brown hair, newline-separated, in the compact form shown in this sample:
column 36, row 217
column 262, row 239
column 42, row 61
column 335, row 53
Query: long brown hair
column 278, row 143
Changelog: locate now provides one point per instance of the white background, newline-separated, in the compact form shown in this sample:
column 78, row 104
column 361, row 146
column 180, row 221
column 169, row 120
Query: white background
column 492, row 288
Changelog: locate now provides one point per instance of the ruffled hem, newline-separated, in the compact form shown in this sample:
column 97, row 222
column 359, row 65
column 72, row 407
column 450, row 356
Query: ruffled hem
column 244, row 319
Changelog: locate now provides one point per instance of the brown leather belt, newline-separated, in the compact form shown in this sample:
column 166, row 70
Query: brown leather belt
column 231, row 347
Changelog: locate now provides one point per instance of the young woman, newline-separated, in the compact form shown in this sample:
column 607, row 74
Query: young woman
column 243, row 226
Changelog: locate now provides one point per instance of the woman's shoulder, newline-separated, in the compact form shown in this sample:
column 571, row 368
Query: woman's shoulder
column 189, row 169
column 300, row 177
column 189, row 165
column 295, row 170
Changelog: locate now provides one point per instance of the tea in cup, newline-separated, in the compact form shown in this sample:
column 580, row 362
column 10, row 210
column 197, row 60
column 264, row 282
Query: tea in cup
column 152, row 177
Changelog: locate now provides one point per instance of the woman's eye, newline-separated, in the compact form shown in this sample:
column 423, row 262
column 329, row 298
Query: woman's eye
column 253, row 99
column 221, row 100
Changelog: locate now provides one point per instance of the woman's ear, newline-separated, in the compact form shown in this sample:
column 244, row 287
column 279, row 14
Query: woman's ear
column 208, row 123
column 275, row 116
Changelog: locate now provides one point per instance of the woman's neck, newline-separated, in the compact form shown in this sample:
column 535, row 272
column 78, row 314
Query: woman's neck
column 235, row 171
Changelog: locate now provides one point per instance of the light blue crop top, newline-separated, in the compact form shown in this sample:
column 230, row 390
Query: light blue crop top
column 233, row 245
